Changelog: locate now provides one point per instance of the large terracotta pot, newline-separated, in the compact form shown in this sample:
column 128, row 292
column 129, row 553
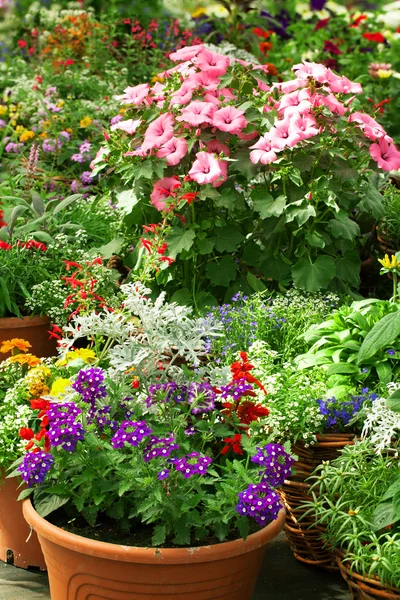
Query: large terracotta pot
column 15, row 547
column 83, row 569
column 34, row 330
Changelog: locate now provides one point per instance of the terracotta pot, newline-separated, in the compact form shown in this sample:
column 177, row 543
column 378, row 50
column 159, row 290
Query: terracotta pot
column 15, row 547
column 33, row 329
column 80, row 568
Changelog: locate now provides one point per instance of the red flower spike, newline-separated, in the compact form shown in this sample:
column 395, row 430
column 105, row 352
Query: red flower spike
column 26, row 433
column 5, row 246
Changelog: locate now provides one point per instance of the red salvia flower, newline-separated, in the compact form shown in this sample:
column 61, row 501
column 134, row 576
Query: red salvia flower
column 26, row 433
column 233, row 444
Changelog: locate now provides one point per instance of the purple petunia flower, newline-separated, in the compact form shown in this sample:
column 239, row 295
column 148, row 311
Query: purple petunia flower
column 163, row 474
column 35, row 467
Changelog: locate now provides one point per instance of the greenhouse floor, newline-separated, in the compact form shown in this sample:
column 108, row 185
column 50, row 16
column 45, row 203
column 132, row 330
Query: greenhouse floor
column 282, row 578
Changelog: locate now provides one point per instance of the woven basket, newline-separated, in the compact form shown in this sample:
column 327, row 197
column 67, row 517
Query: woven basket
column 304, row 537
column 362, row 588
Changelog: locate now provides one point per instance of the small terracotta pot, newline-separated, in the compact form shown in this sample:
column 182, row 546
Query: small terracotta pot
column 80, row 568
column 33, row 329
column 19, row 544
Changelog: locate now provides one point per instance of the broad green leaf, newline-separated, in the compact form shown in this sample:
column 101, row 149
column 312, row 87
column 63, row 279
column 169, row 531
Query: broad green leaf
column 243, row 526
column 111, row 248
column 275, row 268
column 25, row 493
column 381, row 335
column 204, row 301
column 301, row 211
column 37, row 203
column 178, row 240
column 16, row 212
column 343, row 227
column 182, row 297
column 392, row 490
column 342, row 368
column 126, row 200
column 255, row 283
column 266, row 205
column 393, row 402
column 205, row 245
column 42, row 236
column 313, row 276
column 228, row 238
column 348, row 267
column 371, row 201
column 47, row 503
column 222, row 272
column 384, row 372
column 383, row 516
column 315, row 239
column 159, row 535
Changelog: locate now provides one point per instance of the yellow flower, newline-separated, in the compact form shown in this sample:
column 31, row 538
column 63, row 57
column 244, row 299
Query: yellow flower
column 59, row 386
column 85, row 122
column 85, row 354
column 388, row 263
column 38, row 388
column 69, row 129
column 43, row 135
column 122, row 110
column 157, row 78
column 18, row 343
column 13, row 123
column 26, row 135
column 200, row 11
column 3, row 109
column 19, row 128
column 384, row 73
column 25, row 359
column 60, row 104
column 46, row 124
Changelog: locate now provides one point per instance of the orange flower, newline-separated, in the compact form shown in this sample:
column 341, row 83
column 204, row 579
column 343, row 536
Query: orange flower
column 265, row 46
column 20, row 344
column 25, row 359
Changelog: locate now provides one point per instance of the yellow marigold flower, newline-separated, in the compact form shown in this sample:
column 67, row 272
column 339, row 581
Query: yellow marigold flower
column 18, row 343
column 69, row 129
column 59, row 386
column 85, row 354
column 26, row 135
column 85, row 122
column 38, row 389
column 43, row 135
column 200, row 11
column 46, row 124
column 3, row 109
column 25, row 359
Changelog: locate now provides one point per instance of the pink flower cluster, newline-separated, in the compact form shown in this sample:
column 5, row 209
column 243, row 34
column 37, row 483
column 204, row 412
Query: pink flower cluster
column 202, row 122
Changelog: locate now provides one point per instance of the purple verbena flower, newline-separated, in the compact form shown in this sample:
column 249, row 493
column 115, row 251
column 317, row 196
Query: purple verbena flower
column 191, row 464
column 130, row 432
column 157, row 447
column 260, row 502
column 35, row 467
column 79, row 158
column 87, row 178
column 89, row 384
column 163, row 474
column 276, row 463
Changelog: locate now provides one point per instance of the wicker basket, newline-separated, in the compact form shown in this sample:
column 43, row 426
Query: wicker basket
column 304, row 537
column 362, row 588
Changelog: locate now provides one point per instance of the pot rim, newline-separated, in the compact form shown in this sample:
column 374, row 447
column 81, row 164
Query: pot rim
column 117, row 552
column 22, row 322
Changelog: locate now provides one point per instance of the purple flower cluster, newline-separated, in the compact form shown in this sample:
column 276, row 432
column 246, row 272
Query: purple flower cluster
column 191, row 464
column 339, row 413
column 13, row 147
column 236, row 389
column 130, row 432
column 63, row 430
column 89, row 384
column 202, row 397
column 87, row 178
column 35, row 467
column 260, row 502
column 166, row 392
column 276, row 462
column 157, row 447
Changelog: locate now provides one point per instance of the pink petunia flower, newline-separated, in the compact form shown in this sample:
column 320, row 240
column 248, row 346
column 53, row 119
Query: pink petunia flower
column 206, row 168
column 371, row 128
column 186, row 53
column 304, row 125
column 183, row 95
column 229, row 119
column 159, row 132
column 316, row 71
column 289, row 86
column 331, row 102
column 197, row 113
column 135, row 95
column 218, row 147
column 162, row 190
column 386, row 155
column 342, row 85
column 129, row 126
column 205, row 81
column 281, row 135
column 263, row 152
column 173, row 151
column 298, row 101
column 213, row 63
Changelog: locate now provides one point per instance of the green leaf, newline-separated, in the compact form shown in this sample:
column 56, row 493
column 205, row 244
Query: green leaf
column 300, row 210
column 255, row 283
column 25, row 493
column 113, row 247
column 46, row 503
column 348, row 267
column 342, row 368
column 65, row 203
column 182, row 297
column 221, row 530
column 384, row 372
column 222, row 272
column 204, row 301
column 205, row 245
column 178, row 240
column 275, row 268
column 393, row 402
column 159, row 535
column 43, row 236
column 343, row 227
column 243, row 526
column 313, row 276
column 126, row 200
column 381, row 335
column 5, row 294
column 383, row 516
column 16, row 212
column 266, row 205
column 372, row 201
column 227, row 238
column 37, row 203
column 315, row 239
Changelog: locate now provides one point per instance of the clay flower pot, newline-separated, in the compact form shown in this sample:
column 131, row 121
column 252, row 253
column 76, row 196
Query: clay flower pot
column 33, row 329
column 81, row 568
column 15, row 547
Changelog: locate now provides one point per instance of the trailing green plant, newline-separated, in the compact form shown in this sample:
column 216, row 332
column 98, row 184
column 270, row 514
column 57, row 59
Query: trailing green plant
column 389, row 225
column 346, row 494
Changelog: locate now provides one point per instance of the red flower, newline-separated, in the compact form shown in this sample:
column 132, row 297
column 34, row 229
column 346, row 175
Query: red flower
column 135, row 383
column 331, row 47
column 261, row 32
column 146, row 244
column 22, row 43
column 249, row 412
column 40, row 404
column 233, row 444
column 265, row 46
column 167, row 259
column 39, row 79
column 359, row 20
column 321, row 24
column 68, row 62
column 74, row 283
column 190, row 196
column 241, row 370
column 71, row 263
column 5, row 246
column 374, row 37
column 96, row 261
column 32, row 244
column 26, row 433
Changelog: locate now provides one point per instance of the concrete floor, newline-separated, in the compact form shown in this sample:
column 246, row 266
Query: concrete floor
column 282, row 578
